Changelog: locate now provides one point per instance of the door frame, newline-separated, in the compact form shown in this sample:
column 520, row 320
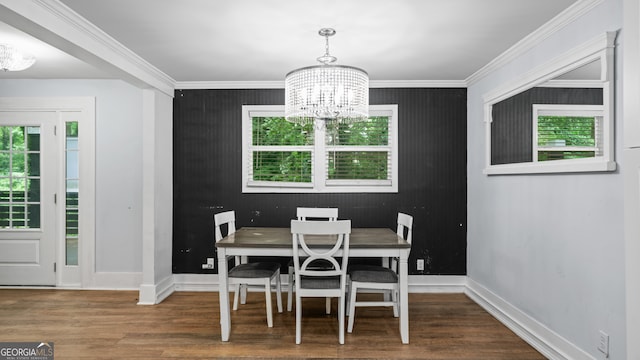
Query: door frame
column 83, row 110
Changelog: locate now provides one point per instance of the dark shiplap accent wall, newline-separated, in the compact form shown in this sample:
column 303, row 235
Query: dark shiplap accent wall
column 512, row 126
column 432, row 172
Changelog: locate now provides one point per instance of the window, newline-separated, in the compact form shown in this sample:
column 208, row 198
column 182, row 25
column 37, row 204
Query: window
column 567, row 132
column 279, row 156
column 572, row 132
column 19, row 177
column 72, row 180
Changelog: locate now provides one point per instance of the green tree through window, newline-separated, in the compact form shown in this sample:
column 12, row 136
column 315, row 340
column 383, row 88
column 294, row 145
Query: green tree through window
column 19, row 177
column 281, row 166
column 364, row 164
column 566, row 137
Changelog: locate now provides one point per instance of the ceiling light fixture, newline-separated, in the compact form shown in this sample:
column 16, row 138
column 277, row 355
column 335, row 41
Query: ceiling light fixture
column 328, row 92
column 11, row 59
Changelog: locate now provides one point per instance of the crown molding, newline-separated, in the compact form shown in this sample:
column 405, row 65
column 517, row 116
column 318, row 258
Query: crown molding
column 417, row 84
column 549, row 28
column 197, row 85
column 53, row 22
column 191, row 85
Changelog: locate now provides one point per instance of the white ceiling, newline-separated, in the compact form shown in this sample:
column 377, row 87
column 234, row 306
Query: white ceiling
column 262, row 40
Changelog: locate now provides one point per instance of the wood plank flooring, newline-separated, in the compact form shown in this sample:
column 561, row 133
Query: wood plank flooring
column 109, row 325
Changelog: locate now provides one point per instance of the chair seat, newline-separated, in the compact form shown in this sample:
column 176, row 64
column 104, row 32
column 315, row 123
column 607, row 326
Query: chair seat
column 372, row 273
column 254, row 270
column 322, row 282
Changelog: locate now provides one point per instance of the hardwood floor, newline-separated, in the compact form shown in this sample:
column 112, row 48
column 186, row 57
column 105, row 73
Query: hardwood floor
column 109, row 325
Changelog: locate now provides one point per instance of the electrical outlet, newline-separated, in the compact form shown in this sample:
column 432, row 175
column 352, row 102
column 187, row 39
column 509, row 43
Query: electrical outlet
column 209, row 265
column 420, row 264
column 603, row 344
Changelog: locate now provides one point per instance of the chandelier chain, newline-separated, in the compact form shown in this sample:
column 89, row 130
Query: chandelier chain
column 326, row 58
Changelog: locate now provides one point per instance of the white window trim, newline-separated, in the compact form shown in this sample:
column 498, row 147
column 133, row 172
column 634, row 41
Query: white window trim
column 600, row 48
column 318, row 183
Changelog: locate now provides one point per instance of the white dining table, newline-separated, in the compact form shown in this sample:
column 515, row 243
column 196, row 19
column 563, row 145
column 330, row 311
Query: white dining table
column 277, row 241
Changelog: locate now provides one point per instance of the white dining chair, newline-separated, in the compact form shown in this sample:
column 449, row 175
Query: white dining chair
column 320, row 282
column 251, row 273
column 378, row 277
column 309, row 213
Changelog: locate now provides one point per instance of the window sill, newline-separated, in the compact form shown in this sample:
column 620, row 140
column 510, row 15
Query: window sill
column 332, row 186
column 549, row 167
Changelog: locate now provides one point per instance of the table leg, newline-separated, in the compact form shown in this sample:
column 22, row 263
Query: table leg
column 243, row 288
column 385, row 263
column 404, row 298
column 223, row 294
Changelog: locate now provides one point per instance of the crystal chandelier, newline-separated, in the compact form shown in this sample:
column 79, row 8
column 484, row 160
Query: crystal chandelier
column 327, row 92
column 11, row 59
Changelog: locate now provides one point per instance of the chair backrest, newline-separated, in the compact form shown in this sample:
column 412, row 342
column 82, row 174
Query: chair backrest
column 227, row 217
column 336, row 234
column 405, row 226
column 305, row 213
column 405, row 229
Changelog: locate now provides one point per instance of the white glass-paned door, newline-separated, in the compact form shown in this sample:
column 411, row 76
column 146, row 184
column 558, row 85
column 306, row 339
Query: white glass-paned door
column 28, row 182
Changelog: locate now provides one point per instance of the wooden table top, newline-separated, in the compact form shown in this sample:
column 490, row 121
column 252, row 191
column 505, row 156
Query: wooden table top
column 280, row 237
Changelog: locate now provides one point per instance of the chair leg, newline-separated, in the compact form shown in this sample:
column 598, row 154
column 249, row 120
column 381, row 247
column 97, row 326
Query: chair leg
column 298, row 319
column 235, row 297
column 243, row 293
column 267, row 295
column 290, row 290
column 327, row 306
column 352, row 306
column 278, row 292
column 348, row 296
column 394, row 298
column 341, row 319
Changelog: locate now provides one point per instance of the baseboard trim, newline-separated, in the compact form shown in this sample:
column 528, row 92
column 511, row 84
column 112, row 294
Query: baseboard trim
column 437, row 283
column 543, row 339
column 152, row 294
column 417, row 283
column 114, row 281
column 195, row 282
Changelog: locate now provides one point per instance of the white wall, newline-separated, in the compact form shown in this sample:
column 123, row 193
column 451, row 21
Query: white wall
column 552, row 246
column 118, row 163
column 631, row 88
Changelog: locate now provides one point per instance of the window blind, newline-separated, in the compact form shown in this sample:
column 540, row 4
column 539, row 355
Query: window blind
column 359, row 151
column 569, row 137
